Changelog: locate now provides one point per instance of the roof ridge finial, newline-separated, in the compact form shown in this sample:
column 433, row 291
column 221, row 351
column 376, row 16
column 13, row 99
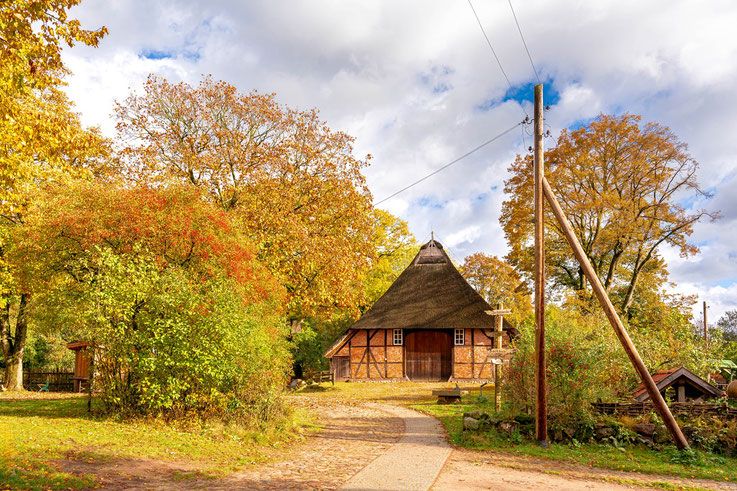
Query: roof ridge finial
column 432, row 235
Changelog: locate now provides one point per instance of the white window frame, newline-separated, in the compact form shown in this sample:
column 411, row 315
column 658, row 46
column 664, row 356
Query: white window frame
column 459, row 337
column 397, row 337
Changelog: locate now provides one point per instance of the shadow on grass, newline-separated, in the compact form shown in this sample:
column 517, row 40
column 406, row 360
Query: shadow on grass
column 46, row 406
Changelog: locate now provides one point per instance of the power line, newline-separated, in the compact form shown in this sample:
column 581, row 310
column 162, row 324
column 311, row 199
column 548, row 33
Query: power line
column 449, row 164
column 523, row 41
column 491, row 47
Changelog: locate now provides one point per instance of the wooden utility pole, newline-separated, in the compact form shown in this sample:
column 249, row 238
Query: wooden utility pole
column 541, row 406
column 498, row 328
column 706, row 325
column 660, row 406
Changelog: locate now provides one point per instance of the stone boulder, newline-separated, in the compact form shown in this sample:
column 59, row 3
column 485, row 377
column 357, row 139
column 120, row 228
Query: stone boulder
column 508, row 426
column 661, row 434
column 645, row 429
column 471, row 424
column 475, row 414
column 602, row 431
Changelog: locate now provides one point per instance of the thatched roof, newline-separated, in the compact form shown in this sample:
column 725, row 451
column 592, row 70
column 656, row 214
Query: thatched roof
column 429, row 294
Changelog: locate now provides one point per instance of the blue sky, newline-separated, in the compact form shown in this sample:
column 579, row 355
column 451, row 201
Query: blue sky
column 416, row 84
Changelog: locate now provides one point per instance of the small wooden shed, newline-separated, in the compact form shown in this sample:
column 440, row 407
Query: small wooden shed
column 430, row 325
column 688, row 386
column 81, row 364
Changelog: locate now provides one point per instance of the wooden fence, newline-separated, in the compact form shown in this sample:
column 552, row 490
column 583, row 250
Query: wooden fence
column 58, row 381
column 677, row 408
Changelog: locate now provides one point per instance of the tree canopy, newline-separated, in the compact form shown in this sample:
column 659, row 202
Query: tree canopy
column 498, row 282
column 621, row 183
column 293, row 183
column 181, row 314
column 41, row 139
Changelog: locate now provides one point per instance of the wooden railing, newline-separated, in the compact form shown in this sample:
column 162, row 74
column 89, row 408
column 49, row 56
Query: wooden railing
column 320, row 376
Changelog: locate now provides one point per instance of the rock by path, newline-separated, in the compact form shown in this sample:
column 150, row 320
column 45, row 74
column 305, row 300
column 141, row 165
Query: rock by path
column 413, row 462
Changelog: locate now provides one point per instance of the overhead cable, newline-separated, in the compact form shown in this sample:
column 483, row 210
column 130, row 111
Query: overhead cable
column 487, row 142
column 524, row 42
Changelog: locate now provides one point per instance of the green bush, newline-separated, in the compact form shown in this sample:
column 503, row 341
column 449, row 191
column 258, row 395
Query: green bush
column 311, row 342
column 183, row 319
column 581, row 361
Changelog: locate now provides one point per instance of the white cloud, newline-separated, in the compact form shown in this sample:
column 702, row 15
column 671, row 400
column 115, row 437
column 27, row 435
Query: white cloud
column 409, row 79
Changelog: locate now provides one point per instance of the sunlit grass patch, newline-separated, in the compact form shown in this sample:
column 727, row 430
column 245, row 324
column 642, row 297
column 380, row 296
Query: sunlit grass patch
column 36, row 433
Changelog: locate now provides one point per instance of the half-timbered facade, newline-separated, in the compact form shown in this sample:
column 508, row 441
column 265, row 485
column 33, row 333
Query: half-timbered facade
column 430, row 325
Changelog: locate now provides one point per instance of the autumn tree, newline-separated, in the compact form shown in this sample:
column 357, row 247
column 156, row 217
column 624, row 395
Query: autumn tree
column 41, row 139
column 182, row 315
column 727, row 325
column 621, row 183
column 293, row 183
column 394, row 247
column 498, row 282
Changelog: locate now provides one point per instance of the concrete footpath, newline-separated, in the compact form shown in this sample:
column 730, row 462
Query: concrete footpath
column 413, row 462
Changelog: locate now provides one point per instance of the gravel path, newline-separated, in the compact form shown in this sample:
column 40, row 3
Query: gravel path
column 413, row 462
column 473, row 470
column 371, row 446
column 353, row 434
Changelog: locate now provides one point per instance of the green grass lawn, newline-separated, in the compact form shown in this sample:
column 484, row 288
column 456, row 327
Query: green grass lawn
column 38, row 429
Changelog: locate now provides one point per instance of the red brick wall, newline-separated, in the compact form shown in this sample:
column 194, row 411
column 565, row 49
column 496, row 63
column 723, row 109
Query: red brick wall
column 373, row 355
column 470, row 360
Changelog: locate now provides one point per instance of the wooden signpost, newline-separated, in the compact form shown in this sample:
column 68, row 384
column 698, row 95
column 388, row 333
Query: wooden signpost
column 497, row 355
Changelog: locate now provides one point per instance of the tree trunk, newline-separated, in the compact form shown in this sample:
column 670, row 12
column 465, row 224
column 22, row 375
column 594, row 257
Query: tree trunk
column 14, row 373
column 13, row 346
column 630, row 295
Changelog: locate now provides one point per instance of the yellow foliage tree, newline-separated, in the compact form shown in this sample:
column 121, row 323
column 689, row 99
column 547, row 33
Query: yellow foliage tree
column 293, row 182
column 41, row 139
column 621, row 183
column 395, row 247
column 498, row 282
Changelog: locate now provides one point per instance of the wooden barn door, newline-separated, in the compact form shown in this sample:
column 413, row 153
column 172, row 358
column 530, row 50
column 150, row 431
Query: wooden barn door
column 428, row 355
column 341, row 367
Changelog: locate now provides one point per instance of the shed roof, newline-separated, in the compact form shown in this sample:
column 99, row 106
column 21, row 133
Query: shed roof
column 429, row 294
column 665, row 378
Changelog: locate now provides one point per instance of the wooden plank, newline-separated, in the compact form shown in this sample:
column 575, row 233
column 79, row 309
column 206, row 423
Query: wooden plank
column 361, row 361
column 473, row 352
column 501, row 353
column 660, row 406
column 498, row 312
column 386, row 358
column 376, row 365
column 368, row 350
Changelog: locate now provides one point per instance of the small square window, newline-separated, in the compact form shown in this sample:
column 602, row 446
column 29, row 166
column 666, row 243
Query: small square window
column 397, row 337
column 460, row 337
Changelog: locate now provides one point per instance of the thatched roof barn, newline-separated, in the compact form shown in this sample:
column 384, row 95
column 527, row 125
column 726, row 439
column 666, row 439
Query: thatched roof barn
column 429, row 325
